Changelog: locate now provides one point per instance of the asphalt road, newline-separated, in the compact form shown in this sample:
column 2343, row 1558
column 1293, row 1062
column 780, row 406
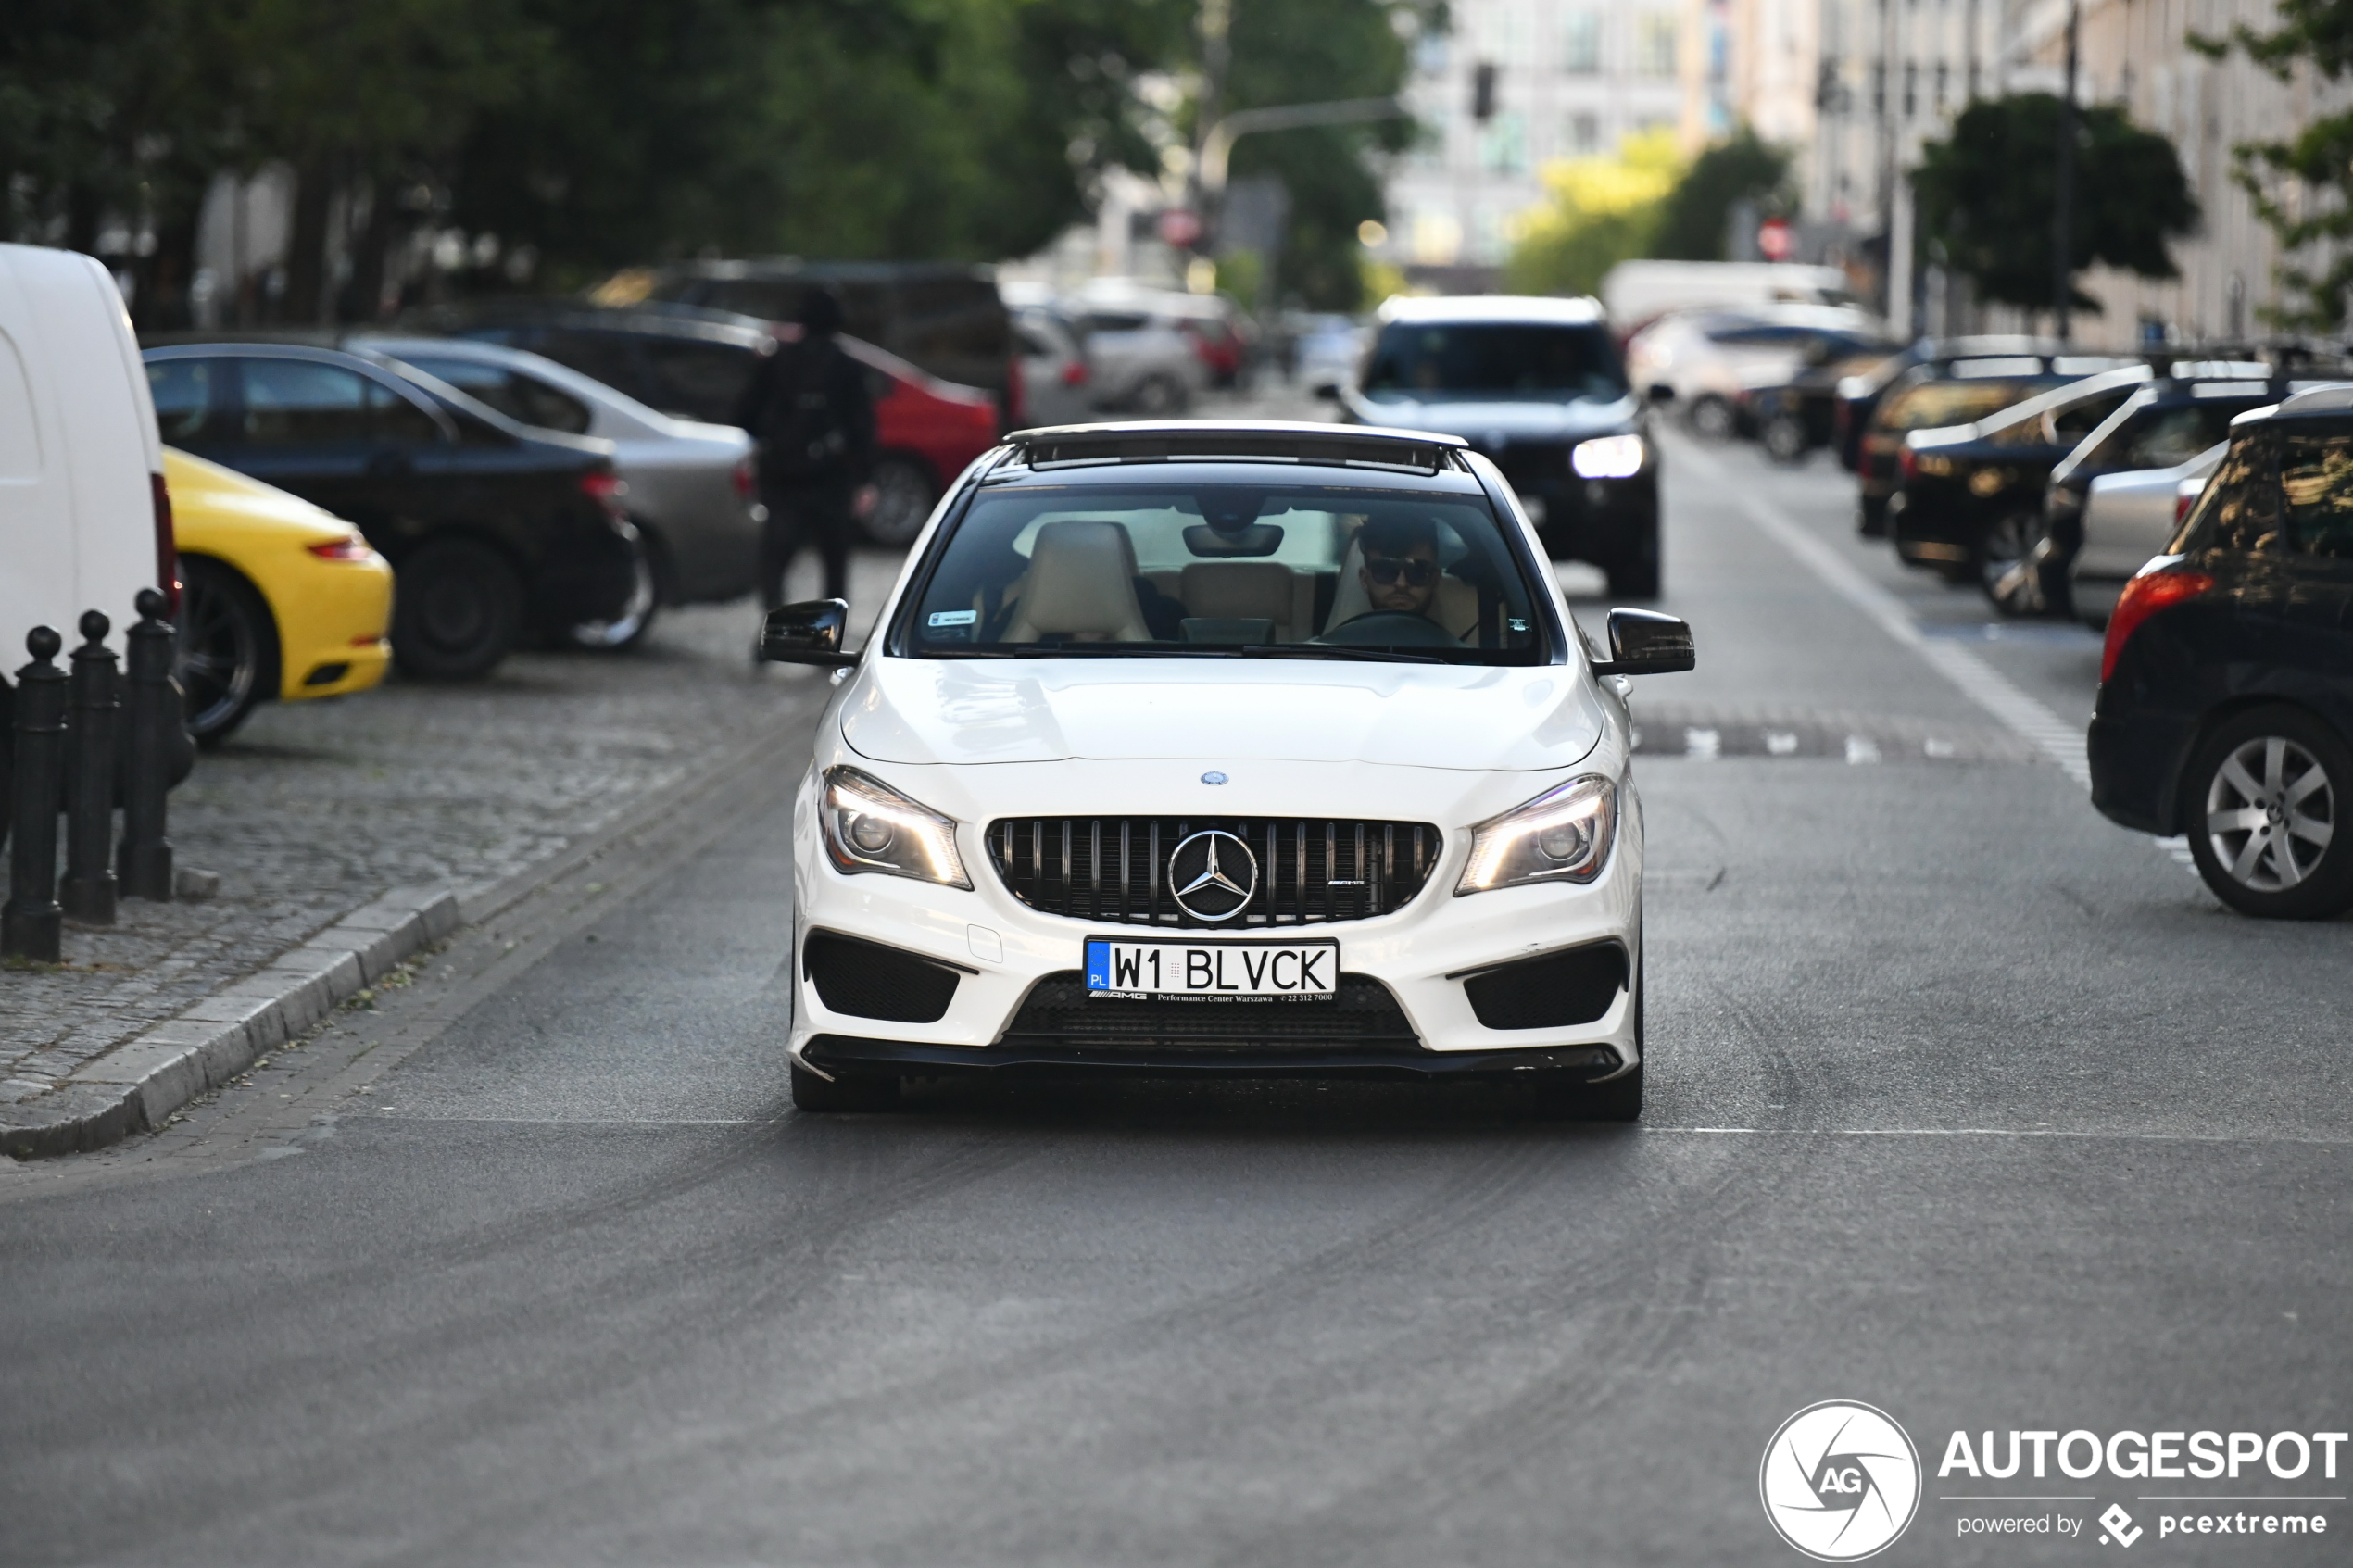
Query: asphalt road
column 1963, row 1103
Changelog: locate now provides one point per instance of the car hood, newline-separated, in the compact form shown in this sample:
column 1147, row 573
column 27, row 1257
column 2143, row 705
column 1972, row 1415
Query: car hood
column 1489, row 422
column 1453, row 717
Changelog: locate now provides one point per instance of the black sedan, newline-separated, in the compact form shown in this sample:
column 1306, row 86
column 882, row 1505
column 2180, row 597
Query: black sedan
column 1968, row 497
column 495, row 531
column 2167, row 422
column 2226, row 685
column 1936, row 393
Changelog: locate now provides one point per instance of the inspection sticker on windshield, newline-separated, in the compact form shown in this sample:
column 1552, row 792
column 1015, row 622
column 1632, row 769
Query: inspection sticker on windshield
column 1213, row 971
column 953, row 617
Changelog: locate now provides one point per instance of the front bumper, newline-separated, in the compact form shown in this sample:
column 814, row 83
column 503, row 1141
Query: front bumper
column 1003, row 952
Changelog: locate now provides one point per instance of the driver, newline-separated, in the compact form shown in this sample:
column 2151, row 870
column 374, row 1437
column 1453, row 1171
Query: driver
column 1400, row 572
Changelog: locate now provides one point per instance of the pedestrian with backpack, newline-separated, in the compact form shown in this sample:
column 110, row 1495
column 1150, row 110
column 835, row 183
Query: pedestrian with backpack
column 809, row 408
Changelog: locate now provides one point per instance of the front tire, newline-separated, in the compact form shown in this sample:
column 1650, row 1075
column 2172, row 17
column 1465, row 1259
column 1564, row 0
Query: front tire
column 458, row 607
column 224, row 648
column 814, row 1093
column 904, row 494
column 2263, row 799
column 1784, row 439
column 1713, row 420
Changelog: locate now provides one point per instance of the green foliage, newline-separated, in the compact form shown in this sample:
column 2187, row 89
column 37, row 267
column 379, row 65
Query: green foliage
column 1988, row 195
column 594, row 132
column 2319, row 158
column 1696, row 218
column 1602, row 211
column 1310, row 52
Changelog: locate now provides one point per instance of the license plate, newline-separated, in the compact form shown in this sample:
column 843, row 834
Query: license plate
column 1213, row 971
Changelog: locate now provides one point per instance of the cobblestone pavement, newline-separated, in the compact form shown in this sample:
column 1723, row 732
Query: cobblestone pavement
column 314, row 808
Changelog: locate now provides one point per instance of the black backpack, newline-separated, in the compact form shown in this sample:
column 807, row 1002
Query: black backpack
column 801, row 432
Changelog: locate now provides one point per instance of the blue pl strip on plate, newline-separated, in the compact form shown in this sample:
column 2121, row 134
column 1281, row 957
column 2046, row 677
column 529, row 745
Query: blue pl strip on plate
column 1099, row 966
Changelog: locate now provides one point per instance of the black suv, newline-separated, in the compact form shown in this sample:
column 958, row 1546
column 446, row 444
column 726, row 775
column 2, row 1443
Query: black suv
column 1538, row 387
column 2226, row 685
column 495, row 531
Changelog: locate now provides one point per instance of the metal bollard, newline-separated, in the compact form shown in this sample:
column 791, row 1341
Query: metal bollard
column 143, row 862
column 28, row 925
column 88, row 891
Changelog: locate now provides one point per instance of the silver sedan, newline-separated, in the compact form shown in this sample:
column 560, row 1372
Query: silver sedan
column 691, row 485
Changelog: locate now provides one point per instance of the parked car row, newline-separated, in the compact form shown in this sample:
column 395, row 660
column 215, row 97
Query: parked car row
column 1766, row 370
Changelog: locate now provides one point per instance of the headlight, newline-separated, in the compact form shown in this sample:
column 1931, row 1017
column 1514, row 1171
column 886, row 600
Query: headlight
column 1607, row 456
column 1562, row 835
column 869, row 826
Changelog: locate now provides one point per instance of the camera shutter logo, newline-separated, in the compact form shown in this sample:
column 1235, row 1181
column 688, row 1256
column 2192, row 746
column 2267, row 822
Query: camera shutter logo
column 1841, row 1481
column 1211, row 875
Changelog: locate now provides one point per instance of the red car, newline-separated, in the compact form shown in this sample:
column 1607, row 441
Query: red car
column 926, row 431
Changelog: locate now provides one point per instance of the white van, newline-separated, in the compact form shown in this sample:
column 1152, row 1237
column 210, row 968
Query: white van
column 84, row 522
column 1636, row 292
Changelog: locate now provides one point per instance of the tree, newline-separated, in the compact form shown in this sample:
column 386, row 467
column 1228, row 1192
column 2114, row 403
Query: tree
column 1695, row 220
column 2319, row 158
column 1602, row 211
column 1988, row 195
column 1309, row 52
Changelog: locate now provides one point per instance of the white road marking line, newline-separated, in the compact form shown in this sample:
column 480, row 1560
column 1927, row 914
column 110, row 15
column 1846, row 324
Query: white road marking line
column 1706, row 745
column 1860, row 749
column 1781, row 742
column 1994, row 1133
column 2024, row 715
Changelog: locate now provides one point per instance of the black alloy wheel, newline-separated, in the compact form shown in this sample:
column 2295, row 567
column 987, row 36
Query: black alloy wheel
column 457, row 609
column 224, row 648
column 2262, row 800
column 1783, row 439
column 2004, row 562
column 904, row 495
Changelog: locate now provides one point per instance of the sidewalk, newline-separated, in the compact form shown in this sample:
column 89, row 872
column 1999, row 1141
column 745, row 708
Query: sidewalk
column 315, row 811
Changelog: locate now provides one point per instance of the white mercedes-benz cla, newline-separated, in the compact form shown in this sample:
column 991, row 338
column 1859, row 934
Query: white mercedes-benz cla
column 1228, row 748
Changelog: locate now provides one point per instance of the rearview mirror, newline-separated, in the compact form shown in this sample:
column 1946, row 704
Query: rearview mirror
column 1642, row 642
column 1329, row 391
column 809, row 632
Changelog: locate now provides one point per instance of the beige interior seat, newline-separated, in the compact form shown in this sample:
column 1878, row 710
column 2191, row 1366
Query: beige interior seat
column 1081, row 582
column 1455, row 607
column 1250, row 590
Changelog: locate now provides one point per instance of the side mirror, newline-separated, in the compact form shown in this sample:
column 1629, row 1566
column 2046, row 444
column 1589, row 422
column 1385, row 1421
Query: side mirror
column 1642, row 642
column 806, row 633
column 1661, row 393
column 1329, row 391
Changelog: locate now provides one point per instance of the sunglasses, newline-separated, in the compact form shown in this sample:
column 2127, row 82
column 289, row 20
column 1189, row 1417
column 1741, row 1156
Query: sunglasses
column 1385, row 570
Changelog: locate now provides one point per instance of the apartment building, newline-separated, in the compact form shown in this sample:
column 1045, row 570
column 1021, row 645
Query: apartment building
column 1893, row 74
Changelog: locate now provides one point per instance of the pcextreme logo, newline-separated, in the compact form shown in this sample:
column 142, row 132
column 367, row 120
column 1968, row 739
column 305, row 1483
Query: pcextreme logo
column 1841, row 1481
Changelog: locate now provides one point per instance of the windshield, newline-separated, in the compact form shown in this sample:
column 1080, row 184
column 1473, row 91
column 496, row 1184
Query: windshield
column 1271, row 571
column 1414, row 359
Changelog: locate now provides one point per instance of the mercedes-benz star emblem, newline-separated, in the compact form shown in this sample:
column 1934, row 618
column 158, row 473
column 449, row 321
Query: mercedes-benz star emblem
column 1211, row 875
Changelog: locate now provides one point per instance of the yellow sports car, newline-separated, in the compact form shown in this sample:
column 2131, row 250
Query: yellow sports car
column 277, row 598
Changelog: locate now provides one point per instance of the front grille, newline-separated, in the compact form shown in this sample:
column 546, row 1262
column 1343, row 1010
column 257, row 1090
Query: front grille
column 1059, row 1013
column 1115, row 869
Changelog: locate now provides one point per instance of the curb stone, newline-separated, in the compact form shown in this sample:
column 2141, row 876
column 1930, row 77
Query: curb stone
column 135, row 1086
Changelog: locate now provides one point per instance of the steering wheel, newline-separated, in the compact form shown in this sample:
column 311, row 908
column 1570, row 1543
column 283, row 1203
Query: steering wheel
column 1390, row 629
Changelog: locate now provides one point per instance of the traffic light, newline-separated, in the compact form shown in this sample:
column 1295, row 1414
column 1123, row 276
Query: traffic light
column 1483, row 92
